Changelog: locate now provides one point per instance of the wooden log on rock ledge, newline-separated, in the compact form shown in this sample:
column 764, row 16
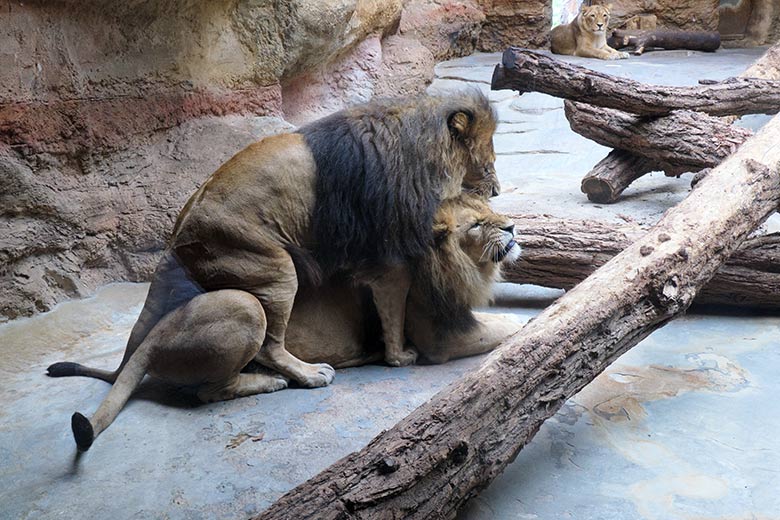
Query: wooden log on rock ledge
column 448, row 449
column 560, row 253
column 528, row 71
column 707, row 41
column 613, row 174
column 687, row 142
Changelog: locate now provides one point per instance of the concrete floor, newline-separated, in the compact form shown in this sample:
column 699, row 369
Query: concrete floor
column 684, row 426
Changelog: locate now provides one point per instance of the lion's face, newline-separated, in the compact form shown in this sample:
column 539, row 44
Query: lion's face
column 473, row 137
column 485, row 236
column 595, row 18
column 481, row 178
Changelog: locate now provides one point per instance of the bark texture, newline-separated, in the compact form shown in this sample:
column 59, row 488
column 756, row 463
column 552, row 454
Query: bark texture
column 664, row 39
column 688, row 141
column 560, row 253
column 526, row 70
column 613, row 174
column 444, row 452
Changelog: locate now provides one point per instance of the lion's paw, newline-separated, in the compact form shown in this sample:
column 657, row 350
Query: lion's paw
column 279, row 382
column 624, row 55
column 321, row 374
column 406, row 357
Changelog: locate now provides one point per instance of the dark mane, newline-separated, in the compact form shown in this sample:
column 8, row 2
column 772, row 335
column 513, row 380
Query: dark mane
column 381, row 171
column 445, row 307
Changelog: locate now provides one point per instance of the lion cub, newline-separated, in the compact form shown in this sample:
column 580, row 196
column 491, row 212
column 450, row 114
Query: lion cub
column 586, row 35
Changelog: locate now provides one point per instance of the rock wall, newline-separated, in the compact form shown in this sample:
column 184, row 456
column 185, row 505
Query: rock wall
column 750, row 23
column 112, row 113
column 523, row 23
column 688, row 15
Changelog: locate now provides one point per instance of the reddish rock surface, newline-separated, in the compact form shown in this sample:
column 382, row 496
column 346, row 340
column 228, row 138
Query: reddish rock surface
column 522, row 23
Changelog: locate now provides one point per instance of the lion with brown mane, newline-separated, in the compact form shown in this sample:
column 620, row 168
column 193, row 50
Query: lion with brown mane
column 353, row 194
column 586, row 35
column 206, row 342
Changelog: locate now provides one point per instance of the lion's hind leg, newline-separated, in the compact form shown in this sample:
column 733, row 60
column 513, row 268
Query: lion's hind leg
column 204, row 343
column 241, row 385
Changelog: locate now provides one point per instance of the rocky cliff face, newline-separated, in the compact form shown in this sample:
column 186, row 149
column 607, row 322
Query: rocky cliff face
column 112, row 113
column 688, row 15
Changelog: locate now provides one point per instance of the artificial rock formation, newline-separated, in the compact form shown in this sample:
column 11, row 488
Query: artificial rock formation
column 687, row 15
column 749, row 23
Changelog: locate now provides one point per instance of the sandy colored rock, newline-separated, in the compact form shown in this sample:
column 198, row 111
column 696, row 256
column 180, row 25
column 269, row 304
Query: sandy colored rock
column 71, row 226
column 447, row 28
column 407, row 67
column 522, row 23
column 689, row 15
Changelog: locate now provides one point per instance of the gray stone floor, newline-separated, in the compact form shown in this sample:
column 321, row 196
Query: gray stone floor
column 684, row 426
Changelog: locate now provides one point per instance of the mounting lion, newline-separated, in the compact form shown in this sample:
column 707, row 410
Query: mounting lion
column 355, row 192
column 206, row 342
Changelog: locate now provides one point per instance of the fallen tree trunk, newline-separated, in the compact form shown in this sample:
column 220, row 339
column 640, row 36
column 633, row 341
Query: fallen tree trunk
column 525, row 71
column 448, row 449
column 610, row 177
column 613, row 174
column 560, row 253
column 664, row 39
column 686, row 142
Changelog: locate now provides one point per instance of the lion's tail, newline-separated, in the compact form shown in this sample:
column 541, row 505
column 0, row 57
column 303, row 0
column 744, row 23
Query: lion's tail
column 68, row 368
column 86, row 430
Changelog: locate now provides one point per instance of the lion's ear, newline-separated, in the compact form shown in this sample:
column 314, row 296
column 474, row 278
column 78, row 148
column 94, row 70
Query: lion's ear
column 583, row 7
column 440, row 233
column 609, row 7
column 459, row 123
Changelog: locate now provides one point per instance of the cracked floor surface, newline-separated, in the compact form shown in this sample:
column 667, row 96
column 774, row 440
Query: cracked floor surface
column 683, row 426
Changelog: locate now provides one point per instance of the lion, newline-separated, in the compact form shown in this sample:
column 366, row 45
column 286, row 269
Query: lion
column 353, row 192
column 586, row 35
column 206, row 342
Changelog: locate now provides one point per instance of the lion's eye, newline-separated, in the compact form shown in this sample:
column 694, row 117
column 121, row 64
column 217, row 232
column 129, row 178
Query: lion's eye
column 475, row 225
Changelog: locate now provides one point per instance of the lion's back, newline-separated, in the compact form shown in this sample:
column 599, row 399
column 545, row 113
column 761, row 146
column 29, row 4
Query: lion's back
column 563, row 39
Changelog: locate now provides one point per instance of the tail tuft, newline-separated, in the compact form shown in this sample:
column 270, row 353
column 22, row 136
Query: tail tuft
column 82, row 431
column 63, row 369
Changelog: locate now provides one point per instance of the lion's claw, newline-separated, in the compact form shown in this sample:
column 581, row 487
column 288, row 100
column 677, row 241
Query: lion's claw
column 402, row 359
column 322, row 377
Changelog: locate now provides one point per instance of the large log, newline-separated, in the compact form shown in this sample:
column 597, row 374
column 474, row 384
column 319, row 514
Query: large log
column 664, row 39
column 443, row 453
column 526, row 71
column 613, row 174
column 560, row 253
column 687, row 142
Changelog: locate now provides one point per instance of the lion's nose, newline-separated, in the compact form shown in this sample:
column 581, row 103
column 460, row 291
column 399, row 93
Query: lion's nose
column 600, row 25
column 509, row 229
column 495, row 189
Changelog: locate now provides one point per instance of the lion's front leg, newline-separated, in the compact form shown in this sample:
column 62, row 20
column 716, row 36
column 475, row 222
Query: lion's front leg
column 389, row 291
column 605, row 53
column 277, row 299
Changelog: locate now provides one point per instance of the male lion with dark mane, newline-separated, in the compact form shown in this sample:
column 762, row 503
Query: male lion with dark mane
column 208, row 340
column 586, row 35
column 355, row 192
